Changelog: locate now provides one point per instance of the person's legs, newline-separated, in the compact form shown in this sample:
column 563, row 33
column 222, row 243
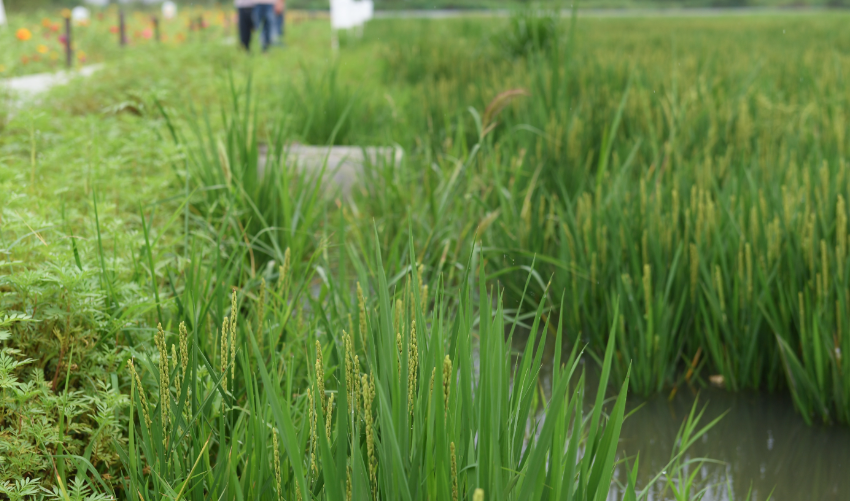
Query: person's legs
column 268, row 25
column 246, row 24
column 262, row 15
column 279, row 25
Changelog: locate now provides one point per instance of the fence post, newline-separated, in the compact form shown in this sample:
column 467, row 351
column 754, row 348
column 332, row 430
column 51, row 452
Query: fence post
column 156, row 27
column 69, row 52
column 122, row 28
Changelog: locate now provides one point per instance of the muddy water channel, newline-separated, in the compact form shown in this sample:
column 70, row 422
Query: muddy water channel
column 762, row 443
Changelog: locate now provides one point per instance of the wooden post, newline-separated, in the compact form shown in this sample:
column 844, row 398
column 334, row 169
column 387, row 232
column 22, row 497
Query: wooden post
column 122, row 28
column 156, row 28
column 69, row 52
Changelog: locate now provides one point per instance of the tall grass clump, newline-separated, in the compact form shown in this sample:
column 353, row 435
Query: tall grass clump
column 724, row 234
column 384, row 402
column 530, row 30
column 239, row 181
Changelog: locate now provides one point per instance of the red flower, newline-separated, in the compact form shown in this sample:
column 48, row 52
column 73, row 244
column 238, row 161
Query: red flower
column 113, row 29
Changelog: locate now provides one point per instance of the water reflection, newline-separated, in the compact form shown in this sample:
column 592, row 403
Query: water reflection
column 762, row 441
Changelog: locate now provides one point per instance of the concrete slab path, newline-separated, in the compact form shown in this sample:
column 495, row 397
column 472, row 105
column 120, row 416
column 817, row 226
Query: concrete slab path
column 32, row 85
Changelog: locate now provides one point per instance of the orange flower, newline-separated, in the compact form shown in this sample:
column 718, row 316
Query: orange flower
column 23, row 34
column 42, row 49
column 66, row 13
column 113, row 29
column 46, row 22
column 81, row 56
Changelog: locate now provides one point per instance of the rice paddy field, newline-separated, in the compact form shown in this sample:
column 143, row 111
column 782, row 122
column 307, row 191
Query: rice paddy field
column 612, row 262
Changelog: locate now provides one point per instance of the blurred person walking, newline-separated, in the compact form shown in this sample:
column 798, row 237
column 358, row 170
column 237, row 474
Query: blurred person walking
column 280, row 18
column 264, row 19
column 245, row 21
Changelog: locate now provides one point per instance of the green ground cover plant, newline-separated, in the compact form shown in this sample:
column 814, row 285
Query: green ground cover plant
column 678, row 212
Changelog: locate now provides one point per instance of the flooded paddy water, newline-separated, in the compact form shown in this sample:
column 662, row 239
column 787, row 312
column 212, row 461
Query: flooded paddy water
column 762, row 443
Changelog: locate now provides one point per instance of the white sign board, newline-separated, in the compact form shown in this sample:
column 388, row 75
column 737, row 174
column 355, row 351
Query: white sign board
column 80, row 14
column 97, row 3
column 2, row 14
column 347, row 14
column 169, row 10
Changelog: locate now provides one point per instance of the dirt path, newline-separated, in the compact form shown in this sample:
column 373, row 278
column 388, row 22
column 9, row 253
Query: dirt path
column 32, row 85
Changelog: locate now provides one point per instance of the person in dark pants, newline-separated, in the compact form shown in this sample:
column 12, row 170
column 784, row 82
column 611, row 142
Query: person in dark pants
column 280, row 12
column 245, row 11
column 264, row 19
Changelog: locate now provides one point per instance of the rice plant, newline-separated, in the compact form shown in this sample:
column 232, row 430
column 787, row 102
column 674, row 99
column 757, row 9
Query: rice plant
column 383, row 402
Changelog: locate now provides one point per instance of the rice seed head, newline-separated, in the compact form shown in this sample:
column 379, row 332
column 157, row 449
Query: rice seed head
column 368, row 396
column 225, row 326
column 311, row 409
column 184, row 350
column 454, row 472
column 478, row 495
column 412, row 367
column 774, row 237
column 277, row 477
column 320, row 378
column 233, row 312
column 787, row 205
column 174, row 369
column 749, row 255
column 593, row 272
column 647, row 289
column 132, row 368
column 397, row 319
column 348, row 484
column 329, row 416
column 424, row 298
column 674, row 212
column 283, row 280
column 350, row 374
column 399, row 350
column 718, row 284
column 164, row 380
column 447, row 381
column 357, row 386
column 700, row 212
